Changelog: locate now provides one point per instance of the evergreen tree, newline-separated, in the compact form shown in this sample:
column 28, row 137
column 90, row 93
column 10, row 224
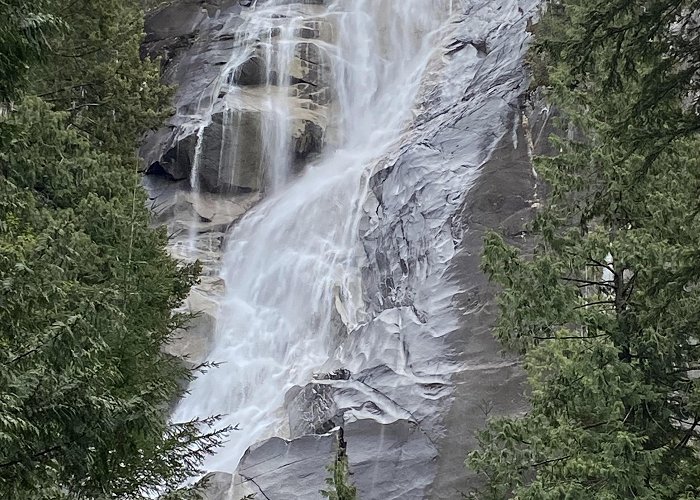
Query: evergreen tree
column 95, row 73
column 647, row 52
column 86, row 286
column 339, row 481
column 23, row 30
column 607, row 309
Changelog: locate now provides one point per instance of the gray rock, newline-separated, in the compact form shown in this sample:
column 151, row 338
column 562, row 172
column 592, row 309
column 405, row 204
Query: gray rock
column 232, row 156
column 309, row 64
column 196, row 221
column 321, row 96
column 491, row 383
column 197, row 224
column 195, row 42
column 181, row 31
column 277, row 469
column 251, row 72
column 312, row 410
column 193, row 343
column 540, row 120
column 177, row 156
column 423, row 369
column 427, row 356
column 389, row 462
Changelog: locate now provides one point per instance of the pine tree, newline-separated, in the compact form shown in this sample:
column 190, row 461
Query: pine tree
column 606, row 310
column 647, row 52
column 95, row 73
column 340, row 488
column 87, row 288
column 24, row 27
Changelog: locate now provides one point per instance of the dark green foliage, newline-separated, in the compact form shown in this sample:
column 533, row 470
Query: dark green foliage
column 86, row 286
column 95, row 73
column 339, row 481
column 24, row 27
column 645, row 51
column 607, row 310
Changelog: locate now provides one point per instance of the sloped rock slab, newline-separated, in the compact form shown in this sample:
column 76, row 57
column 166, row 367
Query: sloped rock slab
column 277, row 469
column 389, row 462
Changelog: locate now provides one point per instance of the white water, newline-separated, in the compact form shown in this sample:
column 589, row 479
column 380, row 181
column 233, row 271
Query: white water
column 266, row 33
column 294, row 254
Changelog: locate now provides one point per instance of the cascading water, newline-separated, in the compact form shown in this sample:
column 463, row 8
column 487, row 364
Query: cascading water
column 268, row 35
column 296, row 253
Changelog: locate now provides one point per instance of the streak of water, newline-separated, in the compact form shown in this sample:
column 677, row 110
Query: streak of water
column 289, row 259
column 266, row 35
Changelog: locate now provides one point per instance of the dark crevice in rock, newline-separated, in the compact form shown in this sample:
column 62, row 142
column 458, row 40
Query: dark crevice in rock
column 157, row 170
column 295, row 81
column 250, row 479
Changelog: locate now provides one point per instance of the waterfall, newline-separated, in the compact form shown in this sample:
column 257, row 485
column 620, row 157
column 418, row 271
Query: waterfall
column 296, row 254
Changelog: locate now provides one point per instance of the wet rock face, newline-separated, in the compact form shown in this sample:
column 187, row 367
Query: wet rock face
column 234, row 116
column 309, row 64
column 280, row 469
column 230, row 156
column 490, row 383
column 409, row 385
column 198, row 224
column 224, row 119
column 390, row 461
column 426, row 356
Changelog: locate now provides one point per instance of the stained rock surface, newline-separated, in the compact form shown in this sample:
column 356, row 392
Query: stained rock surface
column 224, row 104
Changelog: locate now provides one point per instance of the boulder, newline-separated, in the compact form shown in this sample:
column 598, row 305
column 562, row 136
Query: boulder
column 252, row 71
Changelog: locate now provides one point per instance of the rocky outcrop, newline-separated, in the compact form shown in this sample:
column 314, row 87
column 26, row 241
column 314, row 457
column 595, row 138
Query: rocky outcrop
column 228, row 131
column 426, row 359
column 281, row 469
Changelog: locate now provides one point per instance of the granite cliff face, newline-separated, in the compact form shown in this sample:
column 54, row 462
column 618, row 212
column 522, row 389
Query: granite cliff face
column 334, row 165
